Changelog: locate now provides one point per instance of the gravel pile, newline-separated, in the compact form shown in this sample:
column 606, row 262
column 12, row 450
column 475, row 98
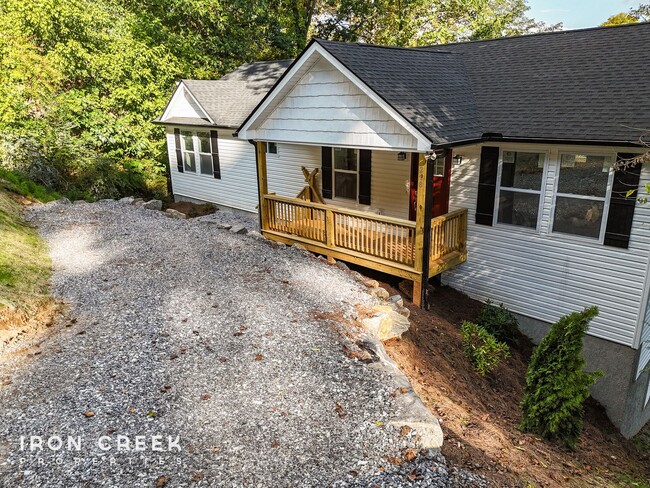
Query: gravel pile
column 215, row 341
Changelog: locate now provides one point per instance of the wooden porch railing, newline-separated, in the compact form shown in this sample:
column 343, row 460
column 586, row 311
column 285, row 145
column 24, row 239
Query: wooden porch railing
column 377, row 241
column 448, row 241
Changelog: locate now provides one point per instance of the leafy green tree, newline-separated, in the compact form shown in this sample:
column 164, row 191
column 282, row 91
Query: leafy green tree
column 556, row 385
column 424, row 22
column 620, row 18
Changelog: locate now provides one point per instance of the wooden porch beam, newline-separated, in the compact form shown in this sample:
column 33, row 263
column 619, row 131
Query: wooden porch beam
column 424, row 208
column 262, row 182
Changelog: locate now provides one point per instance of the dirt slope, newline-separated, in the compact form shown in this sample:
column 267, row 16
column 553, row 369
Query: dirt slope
column 479, row 415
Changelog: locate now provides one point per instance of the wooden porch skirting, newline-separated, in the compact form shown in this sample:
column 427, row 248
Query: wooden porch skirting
column 374, row 241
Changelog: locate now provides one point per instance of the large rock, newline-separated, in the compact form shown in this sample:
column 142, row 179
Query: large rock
column 387, row 324
column 175, row 214
column 63, row 201
column 396, row 299
column 153, row 205
column 379, row 292
column 239, row 229
column 126, row 200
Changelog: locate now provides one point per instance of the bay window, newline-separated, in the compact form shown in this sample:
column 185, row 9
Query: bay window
column 581, row 194
column 519, row 188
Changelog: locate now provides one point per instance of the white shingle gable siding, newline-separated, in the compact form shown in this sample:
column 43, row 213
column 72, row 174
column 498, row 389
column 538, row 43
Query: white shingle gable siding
column 326, row 108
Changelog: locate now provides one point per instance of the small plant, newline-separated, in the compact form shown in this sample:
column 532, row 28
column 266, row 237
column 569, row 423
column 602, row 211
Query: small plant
column 556, row 385
column 499, row 321
column 482, row 348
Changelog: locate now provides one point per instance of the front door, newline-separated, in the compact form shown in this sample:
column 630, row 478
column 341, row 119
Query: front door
column 441, row 185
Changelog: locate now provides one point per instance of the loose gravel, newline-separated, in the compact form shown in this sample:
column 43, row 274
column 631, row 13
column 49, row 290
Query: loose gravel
column 220, row 342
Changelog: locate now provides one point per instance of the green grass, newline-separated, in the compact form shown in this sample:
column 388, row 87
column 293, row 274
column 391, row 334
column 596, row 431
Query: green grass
column 25, row 266
column 19, row 184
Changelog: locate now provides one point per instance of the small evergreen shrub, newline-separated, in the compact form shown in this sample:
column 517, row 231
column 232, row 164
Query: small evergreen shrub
column 556, row 385
column 499, row 321
column 482, row 348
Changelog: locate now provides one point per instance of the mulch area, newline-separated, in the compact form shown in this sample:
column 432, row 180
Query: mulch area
column 479, row 415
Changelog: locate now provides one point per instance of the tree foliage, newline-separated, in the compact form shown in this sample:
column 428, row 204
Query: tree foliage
column 82, row 79
column 556, row 385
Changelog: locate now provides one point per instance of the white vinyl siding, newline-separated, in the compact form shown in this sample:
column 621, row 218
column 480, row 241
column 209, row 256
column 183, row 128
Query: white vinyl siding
column 545, row 275
column 283, row 171
column 326, row 108
column 237, row 187
column 389, row 195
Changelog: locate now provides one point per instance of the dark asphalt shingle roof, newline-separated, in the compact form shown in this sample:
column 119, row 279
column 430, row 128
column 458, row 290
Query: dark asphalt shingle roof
column 584, row 85
column 429, row 89
column 230, row 99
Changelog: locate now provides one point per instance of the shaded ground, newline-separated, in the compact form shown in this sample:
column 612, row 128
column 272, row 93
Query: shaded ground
column 479, row 415
column 192, row 209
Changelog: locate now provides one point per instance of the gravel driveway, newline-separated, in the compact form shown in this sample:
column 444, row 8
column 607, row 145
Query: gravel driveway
column 221, row 344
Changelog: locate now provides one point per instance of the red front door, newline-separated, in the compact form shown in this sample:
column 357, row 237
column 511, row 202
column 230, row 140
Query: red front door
column 441, row 185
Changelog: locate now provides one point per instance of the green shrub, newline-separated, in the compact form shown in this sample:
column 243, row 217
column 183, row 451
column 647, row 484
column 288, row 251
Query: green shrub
column 27, row 188
column 482, row 348
column 556, row 385
column 499, row 321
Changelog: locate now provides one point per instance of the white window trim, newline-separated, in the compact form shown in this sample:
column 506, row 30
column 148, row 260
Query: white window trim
column 606, row 199
column 277, row 149
column 334, row 171
column 197, row 153
column 541, row 192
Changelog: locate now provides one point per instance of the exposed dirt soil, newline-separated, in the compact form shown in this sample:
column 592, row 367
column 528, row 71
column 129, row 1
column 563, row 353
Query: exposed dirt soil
column 479, row 415
column 193, row 209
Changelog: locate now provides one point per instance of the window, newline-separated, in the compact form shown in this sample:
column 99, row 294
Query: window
column 519, row 188
column 271, row 147
column 196, row 148
column 346, row 166
column 582, row 188
column 439, row 166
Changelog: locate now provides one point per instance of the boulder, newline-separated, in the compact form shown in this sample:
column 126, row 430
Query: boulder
column 386, row 325
column 126, row 200
column 63, row 201
column 379, row 292
column 238, row 229
column 79, row 202
column 396, row 299
column 371, row 283
column 153, row 205
column 175, row 214
column 342, row 265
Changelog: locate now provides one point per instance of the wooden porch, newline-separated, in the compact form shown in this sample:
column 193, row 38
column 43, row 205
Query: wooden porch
column 414, row 250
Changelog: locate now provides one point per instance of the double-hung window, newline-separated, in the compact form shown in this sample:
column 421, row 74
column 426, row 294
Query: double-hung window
column 519, row 188
column 346, row 173
column 197, row 151
column 581, row 193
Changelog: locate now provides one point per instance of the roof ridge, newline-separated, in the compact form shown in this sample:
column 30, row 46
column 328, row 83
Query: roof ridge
column 400, row 48
column 536, row 34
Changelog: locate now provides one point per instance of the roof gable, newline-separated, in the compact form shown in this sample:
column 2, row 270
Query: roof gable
column 312, row 57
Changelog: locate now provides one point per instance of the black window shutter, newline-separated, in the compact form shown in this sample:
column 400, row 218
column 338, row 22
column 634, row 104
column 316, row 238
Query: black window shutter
column 365, row 168
column 214, row 144
column 179, row 153
column 487, row 183
column 621, row 207
column 326, row 171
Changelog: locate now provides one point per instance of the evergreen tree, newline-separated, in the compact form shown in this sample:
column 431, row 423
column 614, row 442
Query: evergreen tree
column 556, row 385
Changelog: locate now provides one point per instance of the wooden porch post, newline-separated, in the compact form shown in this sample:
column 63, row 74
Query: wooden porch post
column 262, row 183
column 423, row 228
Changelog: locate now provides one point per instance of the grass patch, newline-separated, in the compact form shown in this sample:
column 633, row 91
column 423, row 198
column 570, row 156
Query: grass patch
column 25, row 266
column 22, row 186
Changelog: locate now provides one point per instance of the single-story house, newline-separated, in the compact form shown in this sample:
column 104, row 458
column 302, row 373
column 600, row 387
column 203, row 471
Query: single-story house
column 491, row 164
